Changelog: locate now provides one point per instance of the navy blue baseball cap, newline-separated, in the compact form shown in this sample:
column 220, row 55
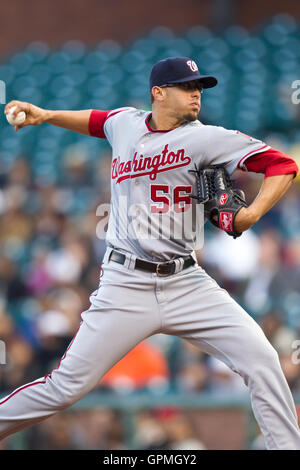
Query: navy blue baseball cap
column 178, row 70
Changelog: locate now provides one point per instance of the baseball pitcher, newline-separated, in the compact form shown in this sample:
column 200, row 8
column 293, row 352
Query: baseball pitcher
column 169, row 174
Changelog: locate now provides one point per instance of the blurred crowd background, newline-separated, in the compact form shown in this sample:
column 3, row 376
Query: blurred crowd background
column 52, row 181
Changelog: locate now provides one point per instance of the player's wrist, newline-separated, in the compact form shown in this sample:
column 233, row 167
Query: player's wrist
column 251, row 215
column 47, row 115
column 245, row 218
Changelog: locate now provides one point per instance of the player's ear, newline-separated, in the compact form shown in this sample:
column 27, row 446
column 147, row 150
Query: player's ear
column 158, row 93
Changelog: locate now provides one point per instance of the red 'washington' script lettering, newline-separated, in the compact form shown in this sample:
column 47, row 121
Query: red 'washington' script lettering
column 140, row 165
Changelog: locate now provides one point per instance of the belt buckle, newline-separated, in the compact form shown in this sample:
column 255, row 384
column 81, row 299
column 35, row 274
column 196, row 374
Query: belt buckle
column 160, row 266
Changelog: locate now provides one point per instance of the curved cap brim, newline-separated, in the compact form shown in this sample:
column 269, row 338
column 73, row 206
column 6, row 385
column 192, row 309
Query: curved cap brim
column 207, row 80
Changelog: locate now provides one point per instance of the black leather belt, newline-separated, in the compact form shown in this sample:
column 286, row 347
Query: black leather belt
column 161, row 269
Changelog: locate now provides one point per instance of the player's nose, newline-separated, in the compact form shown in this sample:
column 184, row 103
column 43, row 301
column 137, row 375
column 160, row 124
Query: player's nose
column 196, row 93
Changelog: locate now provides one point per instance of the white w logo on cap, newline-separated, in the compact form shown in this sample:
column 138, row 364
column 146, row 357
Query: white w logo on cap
column 192, row 65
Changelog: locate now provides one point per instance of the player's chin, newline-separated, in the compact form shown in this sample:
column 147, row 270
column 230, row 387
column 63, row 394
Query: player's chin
column 192, row 115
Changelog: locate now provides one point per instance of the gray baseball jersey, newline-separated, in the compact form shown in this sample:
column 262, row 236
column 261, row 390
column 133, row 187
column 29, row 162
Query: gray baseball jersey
column 152, row 213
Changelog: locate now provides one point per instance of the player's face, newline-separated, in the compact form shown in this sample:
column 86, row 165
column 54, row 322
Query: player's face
column 184, row 100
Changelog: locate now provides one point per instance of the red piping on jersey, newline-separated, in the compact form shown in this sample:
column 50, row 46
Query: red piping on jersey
column 97, row 120
column 154, row 130
column 252, row 153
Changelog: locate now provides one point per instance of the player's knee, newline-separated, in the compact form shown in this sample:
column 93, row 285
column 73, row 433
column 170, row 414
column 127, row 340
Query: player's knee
column 69, row 392
column 265, row 361
column 71, row 396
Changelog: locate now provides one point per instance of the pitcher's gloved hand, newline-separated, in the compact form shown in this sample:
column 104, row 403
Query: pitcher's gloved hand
column 221, row 201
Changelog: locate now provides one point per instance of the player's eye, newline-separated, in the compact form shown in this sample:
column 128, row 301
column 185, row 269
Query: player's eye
column 190, row 86
column 187, row 86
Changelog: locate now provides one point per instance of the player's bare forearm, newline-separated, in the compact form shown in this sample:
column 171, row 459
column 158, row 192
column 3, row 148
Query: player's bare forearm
column 77, row 121
column 272, row 189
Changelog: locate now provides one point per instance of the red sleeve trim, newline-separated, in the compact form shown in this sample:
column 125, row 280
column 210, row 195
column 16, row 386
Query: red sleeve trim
column 98, row 119
column 253, row 152
column 271, row 163
column 96, row 123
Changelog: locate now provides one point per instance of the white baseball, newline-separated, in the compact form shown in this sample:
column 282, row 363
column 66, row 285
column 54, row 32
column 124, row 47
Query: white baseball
column 19, row 119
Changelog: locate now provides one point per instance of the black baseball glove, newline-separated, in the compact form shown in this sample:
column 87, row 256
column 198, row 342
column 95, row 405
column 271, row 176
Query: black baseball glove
column 221, row 201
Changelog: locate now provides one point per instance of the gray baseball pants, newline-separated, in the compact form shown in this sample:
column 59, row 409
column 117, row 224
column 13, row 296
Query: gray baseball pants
column 131, row 305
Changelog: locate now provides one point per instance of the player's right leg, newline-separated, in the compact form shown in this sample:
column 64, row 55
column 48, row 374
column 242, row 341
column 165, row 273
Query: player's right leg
column 200, row 311
column 110, row 328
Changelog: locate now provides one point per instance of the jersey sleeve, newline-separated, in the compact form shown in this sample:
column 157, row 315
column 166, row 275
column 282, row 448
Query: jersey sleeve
column 231, row 147
column 96, row 123
column 101, row 123
column 113, row 124
column 271, row 162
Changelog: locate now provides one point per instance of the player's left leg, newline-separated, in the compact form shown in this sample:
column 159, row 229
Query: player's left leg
column 197, row 309
column 122, row 313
